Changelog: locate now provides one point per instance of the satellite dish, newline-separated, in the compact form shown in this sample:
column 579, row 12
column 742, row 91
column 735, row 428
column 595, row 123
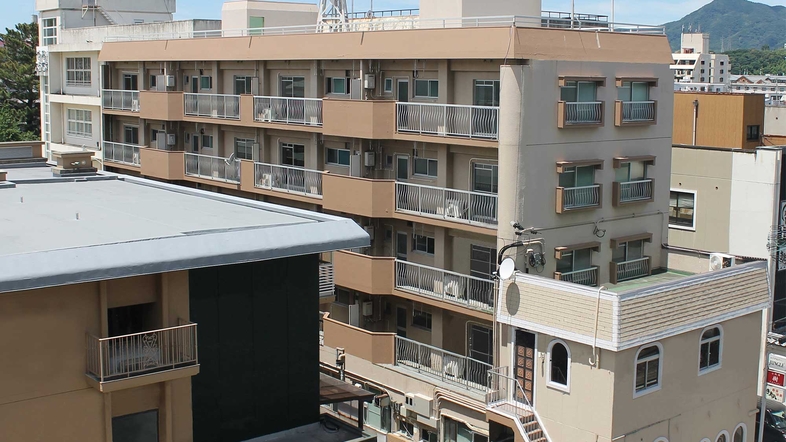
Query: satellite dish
column 507, row 268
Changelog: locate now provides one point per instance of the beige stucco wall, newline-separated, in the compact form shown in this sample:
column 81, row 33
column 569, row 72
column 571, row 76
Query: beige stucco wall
column 774, row 120
column 235, row 15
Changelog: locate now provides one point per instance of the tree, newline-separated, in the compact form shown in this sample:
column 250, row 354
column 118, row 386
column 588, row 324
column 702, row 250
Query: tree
column 19, row 81
column 12, row 126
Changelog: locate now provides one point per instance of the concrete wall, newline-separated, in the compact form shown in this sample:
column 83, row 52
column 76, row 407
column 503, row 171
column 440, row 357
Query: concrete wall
column 235, row 15
column 439, row 9
column 775, row 120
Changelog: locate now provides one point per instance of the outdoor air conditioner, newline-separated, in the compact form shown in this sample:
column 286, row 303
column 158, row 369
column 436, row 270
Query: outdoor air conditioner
column 266, row 180
column 418, row 403
column 452, row 369
column 454, row 208
column 214, row 113
column 134, row 105
column 720, row 261
column 171, row 139
column 368, row 308
column 265, row 115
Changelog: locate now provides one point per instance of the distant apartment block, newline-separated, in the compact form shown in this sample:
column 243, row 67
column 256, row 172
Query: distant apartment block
column 695, row 68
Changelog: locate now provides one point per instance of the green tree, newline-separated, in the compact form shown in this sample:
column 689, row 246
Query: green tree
column 18, row 80
column 12, row 126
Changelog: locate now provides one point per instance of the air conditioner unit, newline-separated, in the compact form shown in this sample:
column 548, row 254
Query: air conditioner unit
column 441, row 130
column 368, row 308
column 369, row 159
column 266, row 180
column 214, row 113
column 452, row 369
column 370, row 230
column 418, row 403
column 720, row 261
column 134, row 105
column 454, row 209
column 265, row 115
column 171, row 139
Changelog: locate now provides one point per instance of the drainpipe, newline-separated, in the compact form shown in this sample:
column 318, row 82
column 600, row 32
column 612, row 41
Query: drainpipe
column 594, row 359
column 695, row 118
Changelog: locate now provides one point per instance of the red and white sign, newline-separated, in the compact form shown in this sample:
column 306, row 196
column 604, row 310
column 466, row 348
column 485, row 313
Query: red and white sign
column 774, row 394
column 775, row 378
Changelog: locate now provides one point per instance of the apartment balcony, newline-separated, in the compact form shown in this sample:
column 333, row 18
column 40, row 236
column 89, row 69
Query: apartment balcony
column 639, row 191
column 579, row 198
column 448, row 204
column 448, row 120
column 222, row 107
column 161, row 106
column 575, row 114
column 288, row 179
column 162, row 164
column 633, row 113
column 364, row 273
column 584, row 276
column 150, row 357
column 126, row 154
column 467, row 291
column 446, row 366
column 327, row 284
column 360, row 196
column 374, row 347
column 300, row 111
column 368, row 119
column 117, row 100
column 632, row 269
column 212, row 168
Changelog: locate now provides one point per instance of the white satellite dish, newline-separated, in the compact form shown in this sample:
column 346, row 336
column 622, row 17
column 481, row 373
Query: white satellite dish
column 507, row 268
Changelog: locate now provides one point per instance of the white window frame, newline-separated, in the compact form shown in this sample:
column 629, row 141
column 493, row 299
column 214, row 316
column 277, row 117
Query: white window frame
column 428, row 167
column 711, row 368
column 51, row 39
column 204, row 145
column 695, row 212
column 723, row 433
column 636, row 362
column 431, row 82
column 248, row 144
column 337, row 149
column 550, row 383
column 388, row 82
column 661, row 439
column 86, row 72
column 87, row 123
column 744, row 432
column 415, row 237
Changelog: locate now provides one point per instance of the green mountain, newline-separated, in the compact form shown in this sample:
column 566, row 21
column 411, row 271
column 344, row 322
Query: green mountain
column 740, row 24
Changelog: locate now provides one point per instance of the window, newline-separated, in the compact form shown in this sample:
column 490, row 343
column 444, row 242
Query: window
column 49, row 31
column 723, row 436
column 388, row 86
column 428, row 435
column 293, row 155
column 207, row 141
column 242, row 85
column 130, row 82
column 205, row 82
column 421, row 319
column 342, row 297
column 574, row 260
column 702, row 63
column 337, row 85
column 628, row 251
column 406, row 428
column 721, row 71
column 482, row 261
column 739, row 433
column 424, row 167
column 244, row 148
column 559, row 365
column 78, row 71
column 753, row 133
column 631, row 171
column 292, row 87
column 634, row 91
column 682, row 209
column 255, row 25
column 130, row 134
column 422, row 243
column 577, row 176
column 579, row 92
column 721, row 63
column 648, row 369
column 454, row 431
column 484, row 177
column 486, row 93
column 80, row 123
column 427, row 88
column 710, row 348
column 338, row 157
column 153, row 81
column 721, row 80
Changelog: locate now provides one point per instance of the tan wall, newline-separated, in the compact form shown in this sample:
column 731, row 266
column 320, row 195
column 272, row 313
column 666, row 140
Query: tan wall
column 163, row 164
column 722, row 119
column 377, row 348
column 165, row 106
column 358, row 196
column 368, row 274
column 361, row 119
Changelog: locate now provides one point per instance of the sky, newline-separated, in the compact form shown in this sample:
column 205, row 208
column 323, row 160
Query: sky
column 627, row 11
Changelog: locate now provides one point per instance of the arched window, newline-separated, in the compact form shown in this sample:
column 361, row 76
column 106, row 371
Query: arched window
column 723, row 436
column 661, row 439
column 739, row 433
column 710, row 348
column 648, row 369
column 559, row 365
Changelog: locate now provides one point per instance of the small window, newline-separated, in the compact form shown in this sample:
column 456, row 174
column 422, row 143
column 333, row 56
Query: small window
column 682, row 210
column 49, row 31
column 485, row 177
column 388, row 85
column 153, row 81
column 577, row 176
column 130, row 82
column 139, row 21
column 342, row 297
column 205, row 82
column 131, row 134
column 428, row 435
column 421, row 319
column 648, row 368
column 424, row 167
column 579, row 92
column 80, row 123
column 723, row 436
column 338, row 157
column 427, row 88
column 422, row 243
column 78, row 71
column 739, row 433
column 244, row 148
column 338, row 85
column 710, row 349
column 293, row 155
column 242, row 85
column 293, row 87
column 207, row 141
column 721, row 80
column 559, row 365
column 753, row 133
column 634, row 91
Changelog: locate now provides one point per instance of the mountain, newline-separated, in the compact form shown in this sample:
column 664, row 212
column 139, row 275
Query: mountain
column 741, row 24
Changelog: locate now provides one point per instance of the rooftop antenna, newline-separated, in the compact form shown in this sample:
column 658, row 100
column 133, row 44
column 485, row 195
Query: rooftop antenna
column 332, row 15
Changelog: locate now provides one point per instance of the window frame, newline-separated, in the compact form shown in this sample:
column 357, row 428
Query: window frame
column 247, row 81
column 338, row 156
column 719, row 338
column 294, row 146
column 387, row 86
column 49, row 26
column 292, row 80
column 692, row 228
column 427, row 317
column 428, row 167
column 330, row 83
column 87, row 123
column 131, row 127
column 427, row 239
column 86, row 72
column 725, row 434
column 204, row 145
column 494, row 169
column 744, row 428
column 748, row 132
column 248, row 147
column 430, row 93
column 202, row 79
column 549, row 382
column 653, row 388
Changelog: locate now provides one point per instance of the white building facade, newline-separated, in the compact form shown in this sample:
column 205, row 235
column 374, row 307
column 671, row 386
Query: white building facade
column 695, row 68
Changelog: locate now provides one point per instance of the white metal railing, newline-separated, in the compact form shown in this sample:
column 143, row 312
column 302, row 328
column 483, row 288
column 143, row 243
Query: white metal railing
column 449, row 120
column 364, row 25
column 776, row 241
column 288, row 179
column 634, row 268
column 635, row 190
column 307, row 111
column 590, row 112
column 141, row 353
column 450, row 204
column 213, row 168
column 121, row 153
column 638, row 111
column 584, row 276
column 469, row 291
column 120, row 100
column 506, row 395
column 436, row 362
column 327, row 284
column 226, row 107
column 578, row 197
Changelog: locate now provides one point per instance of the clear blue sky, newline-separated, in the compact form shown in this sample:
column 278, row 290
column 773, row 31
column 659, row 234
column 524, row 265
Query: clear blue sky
column 631, row 11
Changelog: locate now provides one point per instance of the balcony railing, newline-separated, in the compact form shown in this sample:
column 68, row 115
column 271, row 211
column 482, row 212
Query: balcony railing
column 634, row 111
column 327, row 284
column 580, row 197
column 306, row 111
column 120, row 100
column 584, row 276
column 138, row 354
column 640, row 190
column 225, row 107
column 468, row 291
column 634, row 268
column 121, row 153
column 448, row 120
column 507, row 396
column 584, row 112
column 453, row 368
column 450, row 204
column 213, row 168
column 288, row 179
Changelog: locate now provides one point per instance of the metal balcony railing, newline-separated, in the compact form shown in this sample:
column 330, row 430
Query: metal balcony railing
column 635, row 191
column 213, row 168
column 449, row 204
column 121, row 153
column 468, row 291
column 141, row 353
column 120, row 100
column 506, row 395
column 580, row 197
column 584, row 276
column 584, row 112
column 225, row 107
column 633, row 111
column 453, row 368
column 306, row 111
column 327, row 284
column 634, row 268
column 448, row 120
column 288, row 179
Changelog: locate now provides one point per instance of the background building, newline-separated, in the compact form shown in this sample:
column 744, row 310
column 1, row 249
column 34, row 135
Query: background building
column 695, row 66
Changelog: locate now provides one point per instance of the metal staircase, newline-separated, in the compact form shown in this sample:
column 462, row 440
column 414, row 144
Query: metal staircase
column 507, row 397
column 92, row 5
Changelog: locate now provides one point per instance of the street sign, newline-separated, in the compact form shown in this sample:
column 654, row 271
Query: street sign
column 774, row 393
column 777, row 363
column 775, row 378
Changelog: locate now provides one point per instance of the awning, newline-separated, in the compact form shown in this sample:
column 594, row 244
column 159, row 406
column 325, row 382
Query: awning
column 615, row 242
column 619, row 161
column 558, row 251
column 562, row 165
column 332, row 390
